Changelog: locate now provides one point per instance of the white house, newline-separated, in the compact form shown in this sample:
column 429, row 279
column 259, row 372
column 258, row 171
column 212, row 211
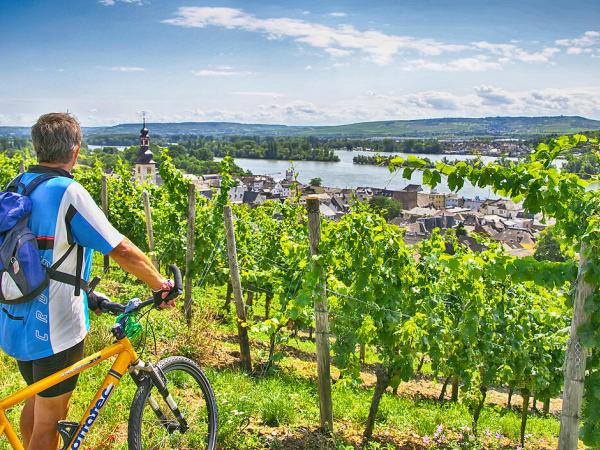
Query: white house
column 501, row 207
column 236, row 193
column 281, row 189
column 473, row 203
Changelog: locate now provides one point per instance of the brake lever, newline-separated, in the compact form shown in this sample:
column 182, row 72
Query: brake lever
column 132, row 304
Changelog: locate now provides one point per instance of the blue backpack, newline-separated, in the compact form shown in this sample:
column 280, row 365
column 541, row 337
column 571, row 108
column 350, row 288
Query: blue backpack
column 22, row 275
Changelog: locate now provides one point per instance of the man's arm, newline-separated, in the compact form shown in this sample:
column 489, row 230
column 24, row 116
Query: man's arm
column 133, row 260
column 91, row 229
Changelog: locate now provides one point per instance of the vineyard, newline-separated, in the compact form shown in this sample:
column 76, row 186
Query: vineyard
column 478, row 322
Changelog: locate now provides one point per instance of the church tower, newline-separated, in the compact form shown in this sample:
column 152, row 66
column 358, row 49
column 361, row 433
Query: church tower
column 289, row 175
column 145, row 166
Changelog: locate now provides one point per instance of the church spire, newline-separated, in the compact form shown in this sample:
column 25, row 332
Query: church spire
column 144, row 155
column 145, row 166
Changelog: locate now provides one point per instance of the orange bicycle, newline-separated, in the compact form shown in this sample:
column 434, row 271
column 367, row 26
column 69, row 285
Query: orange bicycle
column 174, row 406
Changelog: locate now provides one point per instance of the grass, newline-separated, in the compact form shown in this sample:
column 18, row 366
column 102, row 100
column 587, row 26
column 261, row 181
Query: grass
column 277, row 410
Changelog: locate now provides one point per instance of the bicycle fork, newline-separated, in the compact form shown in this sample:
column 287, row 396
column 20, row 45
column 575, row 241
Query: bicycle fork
column 159, row 381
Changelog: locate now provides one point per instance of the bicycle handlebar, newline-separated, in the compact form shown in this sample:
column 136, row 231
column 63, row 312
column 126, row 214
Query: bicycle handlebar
column 178, row 285
column 106, row 306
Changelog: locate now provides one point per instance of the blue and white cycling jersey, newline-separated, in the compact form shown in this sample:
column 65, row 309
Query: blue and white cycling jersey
column 57, row 319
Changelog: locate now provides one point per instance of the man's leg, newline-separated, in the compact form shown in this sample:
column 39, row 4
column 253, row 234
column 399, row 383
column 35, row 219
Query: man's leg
column 26, row 423
column 40, row 417
column 47, row 412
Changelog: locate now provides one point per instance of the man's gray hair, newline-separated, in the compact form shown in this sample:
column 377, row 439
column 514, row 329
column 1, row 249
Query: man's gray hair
column 55, row 136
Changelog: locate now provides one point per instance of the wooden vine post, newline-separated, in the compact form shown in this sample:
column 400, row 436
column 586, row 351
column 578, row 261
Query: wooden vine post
column 149, row 229
column 22, row 165
column 236, row 285
column 575, row 360
column 104, row 204
column 321, row 320
column 189, row 253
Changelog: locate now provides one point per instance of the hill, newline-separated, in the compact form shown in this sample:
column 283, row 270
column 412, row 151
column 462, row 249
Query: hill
column 422, row 128
column 466, row 127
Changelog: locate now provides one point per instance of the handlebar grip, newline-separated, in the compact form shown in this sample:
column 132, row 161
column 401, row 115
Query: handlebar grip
column 176, row 278
column 111, row 307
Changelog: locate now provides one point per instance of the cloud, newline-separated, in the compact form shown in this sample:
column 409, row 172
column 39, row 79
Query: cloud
column 587, row 39
column 376, row 46
column 337, row 52
column 482, row 101
column 479, row 101
column 219, row 71
column 548, row 100
column 432, row 100
column 113, row 2
column 477, row 63
column 258, row 94
column 127, row 69
column 511, row 52
column 493, row 96
column 588, row 43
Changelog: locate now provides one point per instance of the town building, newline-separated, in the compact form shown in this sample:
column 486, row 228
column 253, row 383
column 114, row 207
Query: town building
column 237, row 192
column 433, row 199
column 417, row 212
column 408, row 196
column 473, row 203
column 145, row 170
column 501, row 207
column 453, row 201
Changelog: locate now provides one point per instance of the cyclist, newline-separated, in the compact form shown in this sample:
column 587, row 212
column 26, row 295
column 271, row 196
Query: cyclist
column 46, row 334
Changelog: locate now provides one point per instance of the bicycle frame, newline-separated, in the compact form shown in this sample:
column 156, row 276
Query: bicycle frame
column 126, row 356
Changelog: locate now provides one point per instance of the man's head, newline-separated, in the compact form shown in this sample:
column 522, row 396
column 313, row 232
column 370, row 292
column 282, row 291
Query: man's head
column 56, row 139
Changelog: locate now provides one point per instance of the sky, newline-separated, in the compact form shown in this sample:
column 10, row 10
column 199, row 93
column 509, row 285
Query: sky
column 297, row 62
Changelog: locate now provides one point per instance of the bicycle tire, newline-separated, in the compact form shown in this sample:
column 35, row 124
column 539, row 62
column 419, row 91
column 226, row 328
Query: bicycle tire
column 145, row 430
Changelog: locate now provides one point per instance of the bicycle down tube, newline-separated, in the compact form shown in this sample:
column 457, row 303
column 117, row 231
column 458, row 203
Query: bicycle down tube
column 126, row 356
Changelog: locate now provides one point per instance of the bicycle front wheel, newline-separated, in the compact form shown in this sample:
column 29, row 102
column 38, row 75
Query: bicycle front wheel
column 152, row 423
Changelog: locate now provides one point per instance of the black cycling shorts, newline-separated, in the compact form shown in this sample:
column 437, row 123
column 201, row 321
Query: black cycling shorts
column 38, row 369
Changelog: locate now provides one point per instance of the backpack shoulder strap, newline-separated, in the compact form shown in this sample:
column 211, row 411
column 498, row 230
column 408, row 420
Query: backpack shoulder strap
column 74, row 280
column 13, row 186
column 36, row 182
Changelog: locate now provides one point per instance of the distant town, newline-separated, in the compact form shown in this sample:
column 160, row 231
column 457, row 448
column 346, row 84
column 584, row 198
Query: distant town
column 496, row 147
column 421, row 211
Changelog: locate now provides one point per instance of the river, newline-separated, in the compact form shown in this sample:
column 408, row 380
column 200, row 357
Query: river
column 346, row 174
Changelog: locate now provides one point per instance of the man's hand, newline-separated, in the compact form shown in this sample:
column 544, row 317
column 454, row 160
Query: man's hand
column 165, row 296
column 94, row 300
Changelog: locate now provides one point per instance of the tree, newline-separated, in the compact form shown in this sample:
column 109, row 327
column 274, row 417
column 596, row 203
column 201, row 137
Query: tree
column 548, row 247
column 586, row 164
column 385, row 206
column 315, row 182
